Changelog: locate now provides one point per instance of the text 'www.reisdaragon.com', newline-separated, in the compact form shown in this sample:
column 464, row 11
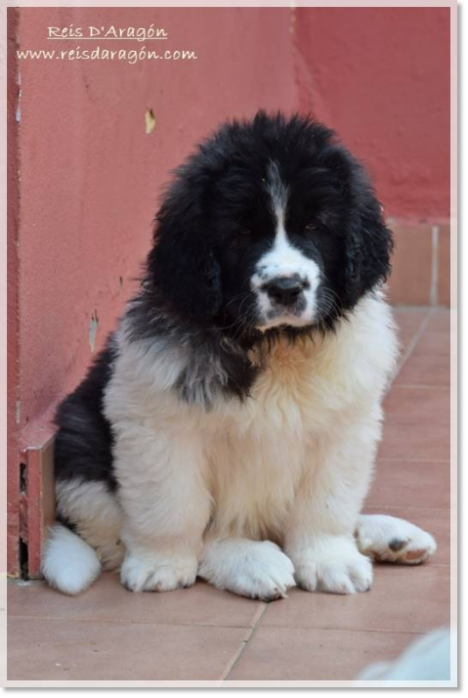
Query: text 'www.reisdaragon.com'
column 131, row 56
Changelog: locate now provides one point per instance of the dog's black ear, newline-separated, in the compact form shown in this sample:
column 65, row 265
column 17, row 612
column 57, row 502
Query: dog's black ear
column 182, row 264
column 369, row 244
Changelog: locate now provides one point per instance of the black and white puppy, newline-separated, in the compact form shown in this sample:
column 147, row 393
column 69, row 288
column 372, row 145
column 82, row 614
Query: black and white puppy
column 230, row 427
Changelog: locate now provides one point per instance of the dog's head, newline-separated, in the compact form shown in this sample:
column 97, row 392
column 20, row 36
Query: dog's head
column 271, row 224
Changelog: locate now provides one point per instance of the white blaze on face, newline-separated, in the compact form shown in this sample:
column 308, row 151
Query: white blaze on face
column 284, row 261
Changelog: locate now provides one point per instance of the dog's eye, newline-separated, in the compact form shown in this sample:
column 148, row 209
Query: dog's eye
column 242, row 233
column 311, row 227
column 241, row 236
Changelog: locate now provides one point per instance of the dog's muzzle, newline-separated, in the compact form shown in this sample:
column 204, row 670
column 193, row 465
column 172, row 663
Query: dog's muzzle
column 286, row 291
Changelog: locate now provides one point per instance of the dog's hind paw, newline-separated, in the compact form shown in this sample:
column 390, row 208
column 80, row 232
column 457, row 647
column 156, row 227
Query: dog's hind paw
column 389, row 539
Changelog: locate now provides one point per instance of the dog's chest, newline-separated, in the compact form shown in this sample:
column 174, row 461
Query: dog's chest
column 300, row 390
column 262, row 446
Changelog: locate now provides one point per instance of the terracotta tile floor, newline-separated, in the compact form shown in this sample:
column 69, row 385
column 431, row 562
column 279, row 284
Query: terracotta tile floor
column 204, row 634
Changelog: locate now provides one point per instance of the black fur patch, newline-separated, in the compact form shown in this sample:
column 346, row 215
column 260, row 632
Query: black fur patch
column 83, row 445
column 217, row 366
column 65, row 522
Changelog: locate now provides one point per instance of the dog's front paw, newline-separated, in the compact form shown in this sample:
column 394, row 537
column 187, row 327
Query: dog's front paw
column 334, row 565
column 157, row 572
column 389, row 539
column 267, row 575
column 258, row 570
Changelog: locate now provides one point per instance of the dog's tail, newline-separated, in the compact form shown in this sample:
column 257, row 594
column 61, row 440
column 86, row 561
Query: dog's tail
column 68, row 563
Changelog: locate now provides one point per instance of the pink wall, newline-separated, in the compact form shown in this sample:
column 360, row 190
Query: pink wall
column 381, row 78
column 92, row 175
column 13, row 520
column 89, row 175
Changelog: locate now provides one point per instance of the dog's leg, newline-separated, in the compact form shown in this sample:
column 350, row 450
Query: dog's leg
column 320, row 536
column 257, row 569
column 388, row 539
column 166, row 506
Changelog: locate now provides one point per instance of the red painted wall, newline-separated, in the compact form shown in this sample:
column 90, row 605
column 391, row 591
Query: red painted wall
column 13, row 521
column 88, row 176
column 92, row 175
column 381, row 78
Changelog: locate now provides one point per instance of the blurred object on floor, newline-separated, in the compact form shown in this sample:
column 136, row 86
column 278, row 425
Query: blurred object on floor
column 426, row 659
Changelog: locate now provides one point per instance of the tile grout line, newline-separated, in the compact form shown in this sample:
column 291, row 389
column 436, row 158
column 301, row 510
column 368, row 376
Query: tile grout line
column 350, row 630
column 421, row 386
column 117, row 621
column 409, row 307
column 416, row 460
column 406, row 508
column 433, row 295
column 243, row 648
column 381, row 507
column 412, row 345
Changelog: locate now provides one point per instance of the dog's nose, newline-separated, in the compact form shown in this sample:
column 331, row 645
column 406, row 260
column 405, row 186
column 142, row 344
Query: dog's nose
column 284, row 289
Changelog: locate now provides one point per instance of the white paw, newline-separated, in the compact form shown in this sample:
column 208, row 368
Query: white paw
column 157, row 572
column 258, row 570
column 334, row 565
column 388, row 539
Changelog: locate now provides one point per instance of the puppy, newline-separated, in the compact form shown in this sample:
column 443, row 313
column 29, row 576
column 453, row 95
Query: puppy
column 230, row 426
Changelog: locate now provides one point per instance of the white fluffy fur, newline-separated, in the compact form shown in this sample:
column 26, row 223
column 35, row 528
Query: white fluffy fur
column 258, row 569
column 291, row 465
column 216, row 493
column 97, row 516
column 388, row 539
column 69, row 564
